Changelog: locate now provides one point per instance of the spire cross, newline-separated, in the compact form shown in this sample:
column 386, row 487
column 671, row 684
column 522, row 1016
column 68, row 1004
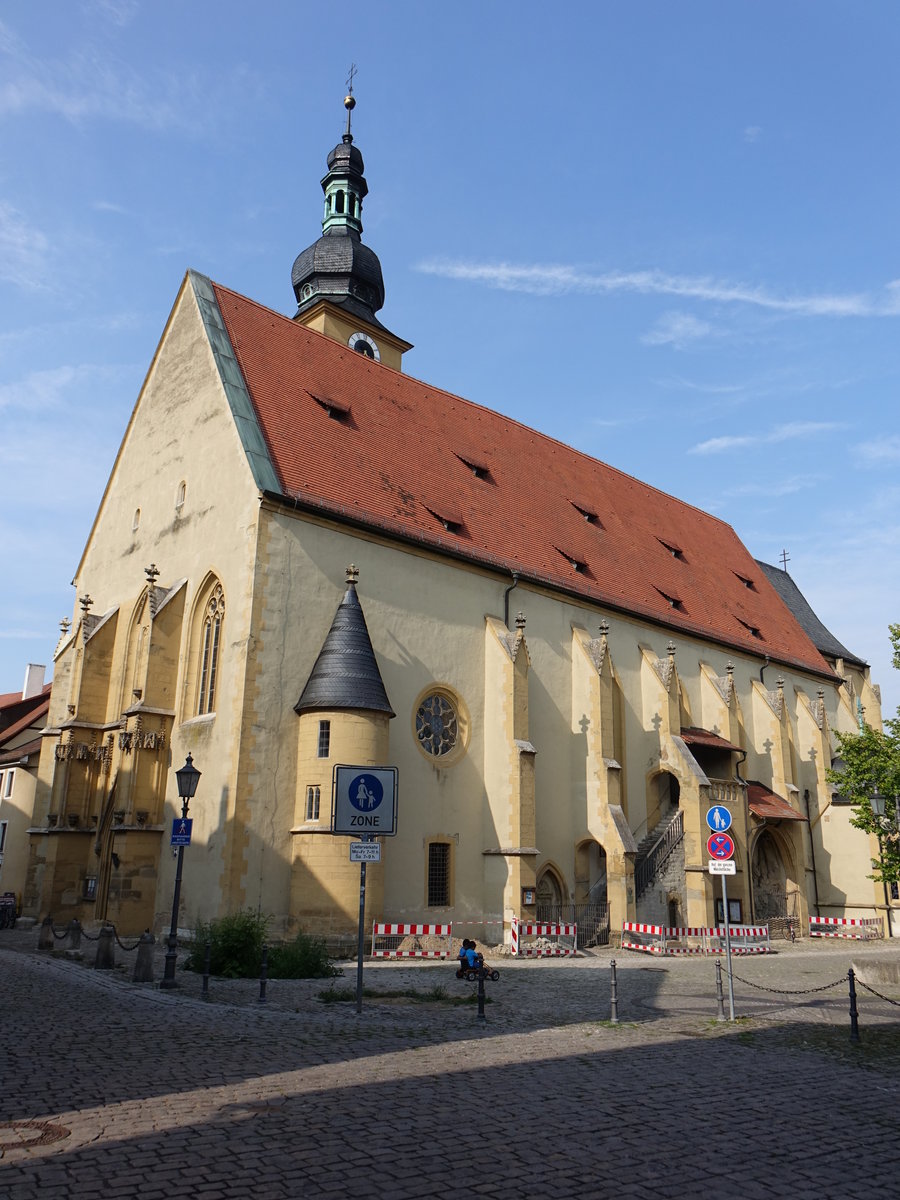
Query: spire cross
column 352, row 575
column 349, row 101
column 785, row 559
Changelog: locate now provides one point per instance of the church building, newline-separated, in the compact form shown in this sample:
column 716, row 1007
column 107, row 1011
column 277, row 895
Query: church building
column 306, row 558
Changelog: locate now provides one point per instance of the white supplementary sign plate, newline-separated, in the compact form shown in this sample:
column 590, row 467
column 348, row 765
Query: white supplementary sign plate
column 365, row 851
column 722, row 868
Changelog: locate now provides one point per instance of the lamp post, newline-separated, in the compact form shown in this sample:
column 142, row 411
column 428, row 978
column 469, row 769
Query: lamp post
column 188, row 777
column 878, row 803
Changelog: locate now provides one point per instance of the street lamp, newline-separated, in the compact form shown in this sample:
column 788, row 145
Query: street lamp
column 188, row 777
column 878, row 803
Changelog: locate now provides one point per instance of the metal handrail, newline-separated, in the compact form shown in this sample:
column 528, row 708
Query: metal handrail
column 657, row 856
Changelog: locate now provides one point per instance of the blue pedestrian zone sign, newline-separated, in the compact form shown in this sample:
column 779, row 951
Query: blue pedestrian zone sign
column 718, row 818
column 181, row 831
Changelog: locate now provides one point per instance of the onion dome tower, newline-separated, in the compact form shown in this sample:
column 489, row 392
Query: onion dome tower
column 337, row 280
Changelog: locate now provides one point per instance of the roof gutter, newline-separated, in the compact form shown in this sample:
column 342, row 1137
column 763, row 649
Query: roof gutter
column 339, row 512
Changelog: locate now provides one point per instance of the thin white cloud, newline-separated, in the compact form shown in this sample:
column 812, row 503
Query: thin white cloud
column 23, row 251
column 560, row 279
column 119, row 12
column 677, row 329
column 781, row 433
column 91, row 84
column 884, row 450
column 45, row 391
column 108, row 206
column 752, row 133
column 784, row 487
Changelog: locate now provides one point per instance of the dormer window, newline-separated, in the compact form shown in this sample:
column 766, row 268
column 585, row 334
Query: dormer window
column 748, row 583
column 588, row 513
column 476, row 465
column 448, row 515
column 576, row 563
column 337, row 409
column 672, row 601
column 673, row 550
column 751, row 629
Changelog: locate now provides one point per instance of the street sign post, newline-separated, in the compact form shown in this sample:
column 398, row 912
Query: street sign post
column 720, row 845
column 181, row 831
column 364, row 801
column 718, row 818
column 363, row 804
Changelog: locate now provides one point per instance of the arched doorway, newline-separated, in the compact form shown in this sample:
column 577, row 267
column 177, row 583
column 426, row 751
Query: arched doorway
column 774, row 888
column 551, row 895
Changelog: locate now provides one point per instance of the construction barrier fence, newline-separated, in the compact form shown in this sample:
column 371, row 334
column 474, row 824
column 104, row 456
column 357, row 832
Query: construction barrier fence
column 544, row 939
column 410, row 941
column 860, row 928
column 666, row 940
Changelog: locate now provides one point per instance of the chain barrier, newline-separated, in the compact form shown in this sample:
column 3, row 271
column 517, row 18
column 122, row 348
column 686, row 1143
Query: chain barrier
column 789, row 991
column 859, row 983
column 95, row 937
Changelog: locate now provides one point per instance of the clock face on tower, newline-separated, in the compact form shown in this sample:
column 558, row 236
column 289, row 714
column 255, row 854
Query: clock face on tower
column 363, row 344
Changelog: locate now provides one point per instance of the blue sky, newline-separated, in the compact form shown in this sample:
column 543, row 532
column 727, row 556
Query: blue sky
column 664, row 233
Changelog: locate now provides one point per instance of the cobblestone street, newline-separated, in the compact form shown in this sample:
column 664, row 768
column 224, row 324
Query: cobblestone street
column 116, row 1090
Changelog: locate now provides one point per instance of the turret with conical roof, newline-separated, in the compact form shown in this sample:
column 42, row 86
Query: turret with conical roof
column 346, row 675
column 337, row 280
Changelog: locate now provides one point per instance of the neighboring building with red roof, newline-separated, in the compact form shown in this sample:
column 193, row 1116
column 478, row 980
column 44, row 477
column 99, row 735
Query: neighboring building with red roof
column 567, row 666
column 23, row 716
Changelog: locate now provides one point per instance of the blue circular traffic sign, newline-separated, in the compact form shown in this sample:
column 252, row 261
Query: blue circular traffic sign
column 366, row 792
column 720, row 845
column 718, row 818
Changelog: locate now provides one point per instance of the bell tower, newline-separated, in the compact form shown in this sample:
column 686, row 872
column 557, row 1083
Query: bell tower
column 337, row 280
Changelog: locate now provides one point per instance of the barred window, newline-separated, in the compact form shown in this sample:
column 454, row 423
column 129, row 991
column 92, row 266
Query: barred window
column 3, row 825
column 324, row 739
column 313, row 796
column 438, row 874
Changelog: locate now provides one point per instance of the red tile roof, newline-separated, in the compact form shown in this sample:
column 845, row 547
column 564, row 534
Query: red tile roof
column 763, row 802
column 702, row 737
column 34, row 716
column 396, row 455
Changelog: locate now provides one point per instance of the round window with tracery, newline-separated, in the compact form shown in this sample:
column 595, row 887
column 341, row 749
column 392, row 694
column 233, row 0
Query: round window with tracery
column 437, row 725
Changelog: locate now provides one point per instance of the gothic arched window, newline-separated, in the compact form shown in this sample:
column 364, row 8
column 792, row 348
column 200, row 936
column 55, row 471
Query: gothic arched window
column 210, row 643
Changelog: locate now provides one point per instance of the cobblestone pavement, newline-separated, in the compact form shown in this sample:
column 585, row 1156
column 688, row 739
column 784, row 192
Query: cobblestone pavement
column 119, row 1090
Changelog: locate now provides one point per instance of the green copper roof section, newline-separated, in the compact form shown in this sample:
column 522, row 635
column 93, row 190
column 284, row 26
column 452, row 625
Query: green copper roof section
column 264, row 473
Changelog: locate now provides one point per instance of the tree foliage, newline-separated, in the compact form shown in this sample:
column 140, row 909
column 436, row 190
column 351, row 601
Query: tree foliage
column 872, row 762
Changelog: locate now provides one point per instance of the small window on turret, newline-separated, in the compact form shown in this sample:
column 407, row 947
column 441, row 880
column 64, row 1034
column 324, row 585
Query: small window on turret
column 324, row 747
column 339, row 202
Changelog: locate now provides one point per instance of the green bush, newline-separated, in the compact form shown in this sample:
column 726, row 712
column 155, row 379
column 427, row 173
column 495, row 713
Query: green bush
column 236, row 943
column 303, row 958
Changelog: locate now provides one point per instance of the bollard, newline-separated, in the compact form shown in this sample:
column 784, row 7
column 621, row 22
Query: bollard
column 854, row 1014
column 720, row 995
column 204, row 991
column 74, row 942
column 481, row 1016
column 263, row 975
column 45, row 937
column 614, row 995
column 106, row 958
column 143, row 966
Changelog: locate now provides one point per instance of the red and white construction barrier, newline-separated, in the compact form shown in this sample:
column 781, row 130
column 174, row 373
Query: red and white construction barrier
column 861, row 928
column 406, row 941
column 666, row 940
column 552, row 940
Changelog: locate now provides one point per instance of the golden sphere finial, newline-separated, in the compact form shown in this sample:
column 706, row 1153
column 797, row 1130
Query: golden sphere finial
column 349, row 102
